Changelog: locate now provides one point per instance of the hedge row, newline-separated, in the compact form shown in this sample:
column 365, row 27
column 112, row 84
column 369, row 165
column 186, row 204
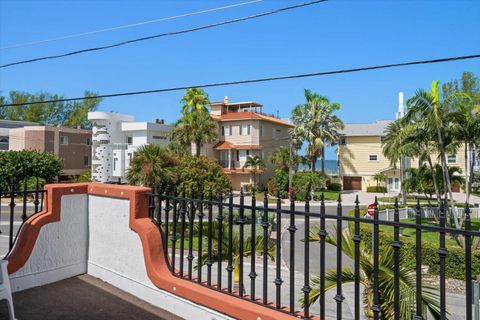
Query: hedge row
column 454, row 262
column 380, row 189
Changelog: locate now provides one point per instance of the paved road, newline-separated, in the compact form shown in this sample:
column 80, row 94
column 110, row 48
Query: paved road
column 314, row 251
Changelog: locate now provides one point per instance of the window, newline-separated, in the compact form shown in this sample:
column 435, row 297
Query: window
column 343, row 141
column 115, row 164
column 275, row 132
column 88, row 142
column 86, row 160
column 261, row 131
column 129, row 140
column 226, row 130
column 373, row 157
column 159, row 137
column 244, row 129
column 64, row 140
column 452, row 159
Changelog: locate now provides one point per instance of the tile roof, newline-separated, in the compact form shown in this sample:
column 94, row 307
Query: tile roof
column 249, row 115
column 225, row 145
column 376, row 128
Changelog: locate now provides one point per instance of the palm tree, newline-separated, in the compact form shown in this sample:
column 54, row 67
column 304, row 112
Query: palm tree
column 256, row 164
column 466, row 129
column 429, row 111
column 315, row 123
column 195, row 100
column 430, row 296
column 196, row 127
column 283, row 158
column 152, row 166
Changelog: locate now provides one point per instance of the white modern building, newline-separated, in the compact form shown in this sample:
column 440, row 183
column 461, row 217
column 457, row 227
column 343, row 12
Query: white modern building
column 115, row 138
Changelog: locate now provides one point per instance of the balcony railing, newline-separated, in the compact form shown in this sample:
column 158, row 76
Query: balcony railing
column 17, row 204
column 225, row 164
column 236, row 248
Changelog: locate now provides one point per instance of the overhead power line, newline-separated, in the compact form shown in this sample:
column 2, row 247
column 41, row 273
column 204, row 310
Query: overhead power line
column 77, row 35
column 166, row 34
column 293, row 76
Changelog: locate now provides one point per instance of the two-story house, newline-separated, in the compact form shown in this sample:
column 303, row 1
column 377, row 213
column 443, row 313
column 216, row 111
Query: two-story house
column 73, row 146
column 360, row 156
column 243, row 131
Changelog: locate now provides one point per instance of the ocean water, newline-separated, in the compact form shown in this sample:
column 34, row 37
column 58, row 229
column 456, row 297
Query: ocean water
column 331, row 167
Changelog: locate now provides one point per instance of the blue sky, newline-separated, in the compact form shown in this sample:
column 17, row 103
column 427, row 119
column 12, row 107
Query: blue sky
column 333, row 35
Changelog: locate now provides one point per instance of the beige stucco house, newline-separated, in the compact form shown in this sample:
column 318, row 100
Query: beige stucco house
column 243, row 131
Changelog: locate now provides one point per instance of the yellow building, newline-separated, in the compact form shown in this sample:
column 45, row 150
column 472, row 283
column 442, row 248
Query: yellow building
column 360, row 156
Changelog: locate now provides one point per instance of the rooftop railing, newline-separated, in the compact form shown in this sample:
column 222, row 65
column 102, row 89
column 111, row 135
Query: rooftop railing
column 22, row 199
column 237, row 249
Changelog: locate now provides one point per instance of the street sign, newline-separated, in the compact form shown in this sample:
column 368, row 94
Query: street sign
column 371, row 210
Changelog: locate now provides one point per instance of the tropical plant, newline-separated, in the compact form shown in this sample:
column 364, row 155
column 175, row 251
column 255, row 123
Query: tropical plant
column 315, row 123
column 283, row 158
column 430, row 296
column 152, row 166
column 259, row 242
column 201, row 173
column 196, row 127
column 379, row 178
column 195, row 100
column 256, row 164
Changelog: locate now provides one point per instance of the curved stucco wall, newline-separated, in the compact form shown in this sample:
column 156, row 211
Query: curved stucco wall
column 116, row 256
column 60, row 250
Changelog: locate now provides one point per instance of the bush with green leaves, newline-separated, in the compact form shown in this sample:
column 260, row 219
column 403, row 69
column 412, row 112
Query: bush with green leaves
column 378, row 189
column 334, row 186
column 28, row 163
column 201, row 173
column 303, row 182
column 278, row 184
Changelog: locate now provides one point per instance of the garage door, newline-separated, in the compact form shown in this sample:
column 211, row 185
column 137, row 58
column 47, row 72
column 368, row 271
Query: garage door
column 352, row 183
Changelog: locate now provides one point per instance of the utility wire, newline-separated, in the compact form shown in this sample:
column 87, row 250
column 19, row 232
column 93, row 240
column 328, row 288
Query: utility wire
column 172, row 33
column 219, row 84
column 77, row 35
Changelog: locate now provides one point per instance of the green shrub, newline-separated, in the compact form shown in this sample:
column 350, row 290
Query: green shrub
column 334, row 186
column 278, row 184
column 28, row 163
column 307, row 181
column 380, row 189
column 454, row 263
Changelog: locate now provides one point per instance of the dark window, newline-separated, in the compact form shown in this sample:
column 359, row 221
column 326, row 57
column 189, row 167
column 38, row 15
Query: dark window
column 343, row 141
column 88, row 142
column 86, row 160
column 129, row 140
column 64, row 140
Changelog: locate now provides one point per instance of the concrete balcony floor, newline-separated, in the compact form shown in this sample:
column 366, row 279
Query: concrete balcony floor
column 82, row 297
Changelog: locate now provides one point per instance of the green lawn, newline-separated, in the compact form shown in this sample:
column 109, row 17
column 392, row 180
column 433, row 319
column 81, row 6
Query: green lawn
column 329, row 195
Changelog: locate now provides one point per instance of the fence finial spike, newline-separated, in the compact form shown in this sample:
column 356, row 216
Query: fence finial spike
column 357, row 202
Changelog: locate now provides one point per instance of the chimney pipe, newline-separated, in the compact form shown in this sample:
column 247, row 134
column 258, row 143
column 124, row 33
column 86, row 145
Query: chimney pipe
column 225, row 100
column 401, row 106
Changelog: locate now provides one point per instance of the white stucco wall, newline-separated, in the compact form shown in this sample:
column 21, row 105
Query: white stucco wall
column 60, row 251
column 116, row 256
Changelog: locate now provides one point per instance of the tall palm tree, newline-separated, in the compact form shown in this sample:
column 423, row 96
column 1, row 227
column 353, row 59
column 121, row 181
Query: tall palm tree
column 430, row 111
column 466, row 129
column 283, row 158
column 196, row 127
column 151, row 166
column 195, row 99
column 315, row 123
column 255, row 163
column 430, row 296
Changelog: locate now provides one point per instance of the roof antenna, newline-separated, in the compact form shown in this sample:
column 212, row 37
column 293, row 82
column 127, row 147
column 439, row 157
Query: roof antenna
column 277, row 114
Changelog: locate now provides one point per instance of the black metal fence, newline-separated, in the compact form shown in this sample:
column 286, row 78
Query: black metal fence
column 235, row 246
column 17, row 203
